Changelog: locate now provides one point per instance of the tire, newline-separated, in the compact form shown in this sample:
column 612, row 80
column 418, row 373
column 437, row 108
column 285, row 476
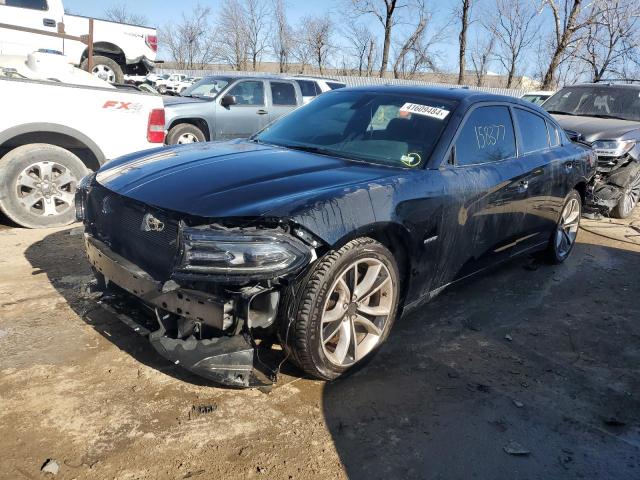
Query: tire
column 317, row 297
column 26, row 199
column 105, row 68
column 162, row 89
column 185, row 133
column 564, row 237
column 628, row 201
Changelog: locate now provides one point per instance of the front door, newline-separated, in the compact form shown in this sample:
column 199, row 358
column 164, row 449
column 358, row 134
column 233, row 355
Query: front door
column 247, row 116
column 33, row 14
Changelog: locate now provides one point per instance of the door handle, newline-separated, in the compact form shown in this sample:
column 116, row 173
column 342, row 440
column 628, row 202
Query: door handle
column 49, row 22
column 262, row 112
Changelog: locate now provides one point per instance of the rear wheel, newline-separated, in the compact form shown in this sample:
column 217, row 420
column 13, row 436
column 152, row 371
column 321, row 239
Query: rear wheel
column 185, row 133
column 343, row 309
column 39, row 184
column 629, row 200
column 106, row 69
column 564, row 238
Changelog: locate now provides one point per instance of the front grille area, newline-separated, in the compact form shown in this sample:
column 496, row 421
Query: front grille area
column 120, row 221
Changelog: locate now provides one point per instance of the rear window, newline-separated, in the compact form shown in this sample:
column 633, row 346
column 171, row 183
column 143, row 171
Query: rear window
column 30, row 4
column 308, row 88
column 533, row 131
column 335, row 85
column 283, row 93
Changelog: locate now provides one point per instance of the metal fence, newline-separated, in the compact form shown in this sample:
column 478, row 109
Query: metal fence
column 352, row 81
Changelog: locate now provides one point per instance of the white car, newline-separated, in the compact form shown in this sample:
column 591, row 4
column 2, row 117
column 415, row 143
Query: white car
column 538, row 97
column 119, row 49
column 169, row 84
column 313, row 86
column 52, row 134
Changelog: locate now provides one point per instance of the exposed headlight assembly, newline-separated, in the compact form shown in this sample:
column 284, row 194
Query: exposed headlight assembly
column 231, row 255
column 613, row 148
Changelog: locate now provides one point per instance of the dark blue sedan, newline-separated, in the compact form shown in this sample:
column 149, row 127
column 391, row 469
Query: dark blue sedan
column 323, row 228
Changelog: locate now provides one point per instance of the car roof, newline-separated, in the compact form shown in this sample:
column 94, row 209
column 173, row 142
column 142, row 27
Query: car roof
column 612, row 84
column 322, row 79
column 245, row 77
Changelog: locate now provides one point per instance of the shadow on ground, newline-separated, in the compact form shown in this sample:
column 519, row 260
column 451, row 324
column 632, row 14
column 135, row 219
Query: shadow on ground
column 516, row 374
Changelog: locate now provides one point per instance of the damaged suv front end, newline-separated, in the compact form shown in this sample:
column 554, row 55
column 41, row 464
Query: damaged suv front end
column 605, row 116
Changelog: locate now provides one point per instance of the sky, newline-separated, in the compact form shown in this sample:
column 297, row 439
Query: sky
column 160, row 12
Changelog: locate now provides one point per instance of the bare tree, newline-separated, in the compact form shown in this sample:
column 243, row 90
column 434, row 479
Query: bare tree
column 612, row 40
column 386, row 12
column 481, row 54
column 463, row 13
column 362, row 46
column 231, row 35
column 120, row 13
column 515, row 27
column 569, row 22
column 256, row 14
column 282, row 36
column 318, row 36
column 301, row 50
column 188, row 42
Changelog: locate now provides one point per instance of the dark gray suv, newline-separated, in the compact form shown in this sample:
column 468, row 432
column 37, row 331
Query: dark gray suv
column 607, row 116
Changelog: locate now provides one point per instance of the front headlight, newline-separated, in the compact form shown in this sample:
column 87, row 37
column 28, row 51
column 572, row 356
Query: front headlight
column 81, row 196
column 233, row 255
column 613, row 148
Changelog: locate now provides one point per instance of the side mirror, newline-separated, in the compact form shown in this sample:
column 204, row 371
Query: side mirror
column 228, row 100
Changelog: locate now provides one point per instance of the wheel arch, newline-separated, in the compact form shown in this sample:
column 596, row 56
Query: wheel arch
column 59, row 135
column 107, row 49
column 394, row 237
column 581, row 187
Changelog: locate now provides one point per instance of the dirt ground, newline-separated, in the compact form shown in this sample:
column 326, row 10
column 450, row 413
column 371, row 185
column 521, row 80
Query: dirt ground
column 531, row 359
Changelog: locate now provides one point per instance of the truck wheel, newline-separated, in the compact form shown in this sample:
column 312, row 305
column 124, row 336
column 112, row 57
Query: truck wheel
column 185, row 133
column 628, row 201
column 106, row 69
column 162, row 89
column 39, row 185
column 564, row 238
column 342, row 310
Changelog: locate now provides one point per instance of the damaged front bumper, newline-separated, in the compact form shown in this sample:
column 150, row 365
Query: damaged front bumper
column 612, row 181
column 222, row 358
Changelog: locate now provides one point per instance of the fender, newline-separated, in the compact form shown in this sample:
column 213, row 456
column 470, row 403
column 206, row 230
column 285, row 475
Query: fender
column 26, row 128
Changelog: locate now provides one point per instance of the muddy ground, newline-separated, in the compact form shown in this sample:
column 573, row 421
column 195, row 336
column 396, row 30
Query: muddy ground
column 532, row 358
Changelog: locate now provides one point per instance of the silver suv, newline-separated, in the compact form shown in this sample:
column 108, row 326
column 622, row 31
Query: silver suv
column 226, row 107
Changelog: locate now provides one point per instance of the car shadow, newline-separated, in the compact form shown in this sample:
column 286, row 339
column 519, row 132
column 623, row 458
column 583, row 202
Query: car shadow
column 529, row 371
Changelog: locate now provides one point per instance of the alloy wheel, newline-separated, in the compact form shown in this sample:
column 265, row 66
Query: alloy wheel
column 187, row 138
column 105, row 73
column 631, row 197
column 356, row 313
column 46, row 188
column 568, row 228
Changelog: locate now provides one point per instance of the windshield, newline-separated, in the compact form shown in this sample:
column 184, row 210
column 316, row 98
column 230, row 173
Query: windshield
column 207, row 87
column 612, row 102
column 392, row 129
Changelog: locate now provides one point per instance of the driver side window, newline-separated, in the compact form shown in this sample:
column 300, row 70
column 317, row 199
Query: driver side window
column 487, row 136
column 248, row 93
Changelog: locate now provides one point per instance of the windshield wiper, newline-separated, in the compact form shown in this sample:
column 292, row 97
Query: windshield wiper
column 600, row 115
column 307, row 148
column 559, row 112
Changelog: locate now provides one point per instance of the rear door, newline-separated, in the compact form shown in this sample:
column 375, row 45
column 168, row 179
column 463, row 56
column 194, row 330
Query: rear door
column 538, row 158
column 283, row 99
column 34, row 14
column 249, row 114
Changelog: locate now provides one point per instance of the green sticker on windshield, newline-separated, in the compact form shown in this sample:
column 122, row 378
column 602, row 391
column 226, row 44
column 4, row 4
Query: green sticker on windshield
column 411, row 159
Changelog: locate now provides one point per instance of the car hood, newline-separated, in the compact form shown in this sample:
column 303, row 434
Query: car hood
column 235, row 178
column 593, row 128
column 170, row 100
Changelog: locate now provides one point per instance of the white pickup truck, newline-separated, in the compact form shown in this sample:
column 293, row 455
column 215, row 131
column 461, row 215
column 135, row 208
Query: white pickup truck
column 119, row 49
column 52, row 134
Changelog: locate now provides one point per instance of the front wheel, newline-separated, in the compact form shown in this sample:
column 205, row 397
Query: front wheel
column 564, row 238
column 342, row 310
column 38, row 185
column 628, row 201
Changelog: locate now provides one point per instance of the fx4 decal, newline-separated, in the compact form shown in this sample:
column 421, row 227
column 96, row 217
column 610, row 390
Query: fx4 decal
column 122, row 106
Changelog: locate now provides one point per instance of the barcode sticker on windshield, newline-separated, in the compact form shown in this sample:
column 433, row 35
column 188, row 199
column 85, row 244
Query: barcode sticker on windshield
column 427, row 111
